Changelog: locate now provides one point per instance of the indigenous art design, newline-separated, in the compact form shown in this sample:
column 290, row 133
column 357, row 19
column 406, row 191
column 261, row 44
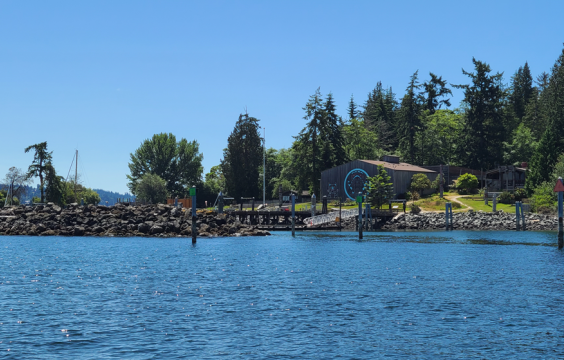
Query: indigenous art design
column 332, row 191
column 355, row 182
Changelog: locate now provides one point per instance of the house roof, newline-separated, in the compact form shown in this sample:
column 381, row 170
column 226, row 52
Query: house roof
column 399, row 167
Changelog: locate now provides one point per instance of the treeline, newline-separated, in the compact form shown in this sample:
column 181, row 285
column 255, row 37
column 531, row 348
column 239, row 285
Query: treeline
column 52, row 187
column 499, row 122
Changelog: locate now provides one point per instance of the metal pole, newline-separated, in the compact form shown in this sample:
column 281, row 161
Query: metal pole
column 293, row 215
column 264, row 168
column 75, row 176
column 494, row 206
column 194, row 216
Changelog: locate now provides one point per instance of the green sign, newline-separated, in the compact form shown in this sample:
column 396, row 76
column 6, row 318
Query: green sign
column 193, row 191
column 359, row 199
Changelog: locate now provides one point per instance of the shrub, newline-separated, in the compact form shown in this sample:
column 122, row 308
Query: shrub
column 456, row 205
column 415, row 209
column 466, row 183
column 415, row 196
column 519, row 194
column 543, row 198
column 408, row 195
column 505, row 198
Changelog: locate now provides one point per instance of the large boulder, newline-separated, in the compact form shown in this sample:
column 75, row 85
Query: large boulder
column 78, row 231
column 156, row 230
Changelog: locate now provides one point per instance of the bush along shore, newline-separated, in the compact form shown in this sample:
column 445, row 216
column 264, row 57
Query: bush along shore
column 463, row 221
column 118, row 220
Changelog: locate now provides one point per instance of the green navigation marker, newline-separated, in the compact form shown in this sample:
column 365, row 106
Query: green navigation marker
column 193, row 191
column 359, row 199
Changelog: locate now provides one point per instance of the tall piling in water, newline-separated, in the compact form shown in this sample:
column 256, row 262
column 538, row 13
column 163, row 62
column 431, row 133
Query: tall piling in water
column 359, row 200
column 194, row 216
column 293, row 215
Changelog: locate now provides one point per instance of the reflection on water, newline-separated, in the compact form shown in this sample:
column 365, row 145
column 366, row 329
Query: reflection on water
column 319, row 295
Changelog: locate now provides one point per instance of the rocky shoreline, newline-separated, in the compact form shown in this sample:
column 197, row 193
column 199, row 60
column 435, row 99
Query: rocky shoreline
column 118, row 220
column 463, row 221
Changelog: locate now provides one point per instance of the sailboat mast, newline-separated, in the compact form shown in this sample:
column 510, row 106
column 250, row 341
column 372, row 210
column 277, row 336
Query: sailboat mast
column 75, row 175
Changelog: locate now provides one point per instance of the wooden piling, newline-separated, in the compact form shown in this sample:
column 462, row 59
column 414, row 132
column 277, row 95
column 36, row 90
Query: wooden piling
column 293, row 215
column 194, row 215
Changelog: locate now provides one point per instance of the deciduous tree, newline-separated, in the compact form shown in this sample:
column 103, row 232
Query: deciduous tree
column 179, row 164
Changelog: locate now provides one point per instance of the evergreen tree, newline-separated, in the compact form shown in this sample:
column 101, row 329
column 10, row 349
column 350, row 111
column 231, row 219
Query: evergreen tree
column 379, row 116
column 380, row 188
column 55, row 186
column 352, row 111
column 521, row 91
column 359, row 141
column 308, row 143
column 551, row 144
column 242, row 158
column 484, row 131
column 543, row 160
column 38, row 166
column 409, row 120
column 433, row 91
column 334, row 131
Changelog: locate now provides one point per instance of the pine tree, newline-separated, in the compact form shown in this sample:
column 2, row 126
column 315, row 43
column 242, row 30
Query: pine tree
column 242, row 158
column 352, row 111
column 409, row 121
column 379, row 116
column 433, row 90
column 551, row 144
column 484, row 130
column 521, row 91
column 308, row 145
column 543, row 160
column 334, row 131
column 380, row 188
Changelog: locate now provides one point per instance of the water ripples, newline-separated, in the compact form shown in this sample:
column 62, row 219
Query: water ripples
column 320, row 295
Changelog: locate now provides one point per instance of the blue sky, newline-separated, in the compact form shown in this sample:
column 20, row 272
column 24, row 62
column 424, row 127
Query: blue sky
column 102, row 76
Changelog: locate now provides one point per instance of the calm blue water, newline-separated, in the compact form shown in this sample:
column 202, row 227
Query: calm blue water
column 401, row 295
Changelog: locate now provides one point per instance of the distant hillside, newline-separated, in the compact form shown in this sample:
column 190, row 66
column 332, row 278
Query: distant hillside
column 111, row 197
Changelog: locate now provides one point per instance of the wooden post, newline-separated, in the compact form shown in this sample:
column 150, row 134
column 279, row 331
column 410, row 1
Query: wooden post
column 324, row 206
column 280, row 196
column 253, row 207
column 517, row 217
column 494, row 206
column 293, row 215
column 446, row 215
column 441, row 181
column 313, row 203
column 523, row 225
column 560, row 226
column 340, row 218
column 194, row 216
column 360, row 216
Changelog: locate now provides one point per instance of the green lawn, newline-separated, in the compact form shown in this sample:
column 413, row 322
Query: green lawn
column 435, row 203
column 478, row 205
